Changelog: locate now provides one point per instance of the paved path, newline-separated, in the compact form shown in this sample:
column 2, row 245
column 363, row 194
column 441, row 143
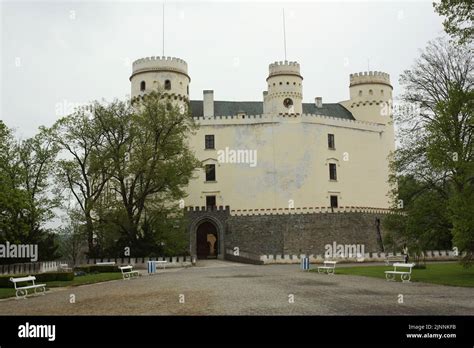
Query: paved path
column 225, row 288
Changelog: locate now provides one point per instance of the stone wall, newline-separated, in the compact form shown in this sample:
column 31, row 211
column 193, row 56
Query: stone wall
column 288, row 233
column 301, row 233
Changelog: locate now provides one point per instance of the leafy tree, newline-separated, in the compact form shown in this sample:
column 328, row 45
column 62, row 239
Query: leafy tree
column 459, row 21
column 152, row 164
column 26, row 202
column 437, row 135
column 83, row 170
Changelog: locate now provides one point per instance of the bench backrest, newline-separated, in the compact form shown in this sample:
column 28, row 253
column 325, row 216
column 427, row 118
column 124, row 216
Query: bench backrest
column 23, row 280
column 105, row 263
column 330, row 263
column 404, row 265
column 125, row 268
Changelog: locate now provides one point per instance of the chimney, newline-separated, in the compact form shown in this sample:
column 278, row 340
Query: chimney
column 208, row 103
column 318, row 101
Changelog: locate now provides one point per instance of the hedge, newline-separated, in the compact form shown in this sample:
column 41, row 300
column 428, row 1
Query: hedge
column 97, row 269
column 41, row 277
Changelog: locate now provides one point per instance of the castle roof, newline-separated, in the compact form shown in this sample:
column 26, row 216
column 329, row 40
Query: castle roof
column 228, row 108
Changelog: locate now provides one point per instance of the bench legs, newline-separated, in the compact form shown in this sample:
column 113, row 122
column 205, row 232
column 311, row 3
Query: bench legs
column 43, row 290
column 405, row 278
column 390, row 277
column 21, row 293
column 129, row 275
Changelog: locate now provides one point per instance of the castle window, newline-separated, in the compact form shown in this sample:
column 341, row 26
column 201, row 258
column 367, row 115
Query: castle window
column 360, row 93
column 334, row 202
column 287, row 103
column 287, row 83
column 167, row 85
column 209, row 141
column 371, row 92
column 210, row 172
column 281, row 83
column 331, row 142
column 210, row 201
column 142, row 86
column 332, row 171
column 273, row 83
column 187, row 89
column 294, row 83
column 381, row 91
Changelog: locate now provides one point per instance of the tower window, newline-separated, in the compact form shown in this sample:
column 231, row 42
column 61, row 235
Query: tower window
column 332, row 171
column 334, row 202
column 360, row 93
column 281, row 83
column 294, row 83
column 210, row 201
column 381, row 91
column 142, row 86
column 371, row 92
column 331, row 142
column 210, row 172
column 287, row 83
column 167, row 85
column 288, row 103
column 209, row 141
column 187, row 89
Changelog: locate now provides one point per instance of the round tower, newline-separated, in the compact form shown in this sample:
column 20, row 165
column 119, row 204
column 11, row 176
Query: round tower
column 371, row 96
column 169, row 75
column 285, row 89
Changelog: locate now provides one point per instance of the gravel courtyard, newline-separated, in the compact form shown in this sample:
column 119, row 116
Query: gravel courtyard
column 225, row 288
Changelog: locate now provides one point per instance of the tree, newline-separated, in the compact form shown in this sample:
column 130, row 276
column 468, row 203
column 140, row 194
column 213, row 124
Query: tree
column 37, row 160
column 152, row 164
column 72, row 237
column 26, row 202
column 459, row 18
column 84, row 170
column 437, row 139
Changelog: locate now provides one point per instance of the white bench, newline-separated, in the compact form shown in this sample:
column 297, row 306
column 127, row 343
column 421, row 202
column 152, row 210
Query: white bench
column 22, row 291
column 105, row 263
column 128, row 272
column 163, row 263
column 394, row 258
column 329, row 267
column 405, row 275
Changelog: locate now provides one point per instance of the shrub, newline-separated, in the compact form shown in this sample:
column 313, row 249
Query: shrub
column 97, row 269
column 42, row 277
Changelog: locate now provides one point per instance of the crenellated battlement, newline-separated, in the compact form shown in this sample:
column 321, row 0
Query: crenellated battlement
column 160, row 64
column 284, row 68
column 274, row 118
column 309, row 210
column 368, row 77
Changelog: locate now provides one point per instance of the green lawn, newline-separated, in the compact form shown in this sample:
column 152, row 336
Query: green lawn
column 81, row 280
column 452, row 274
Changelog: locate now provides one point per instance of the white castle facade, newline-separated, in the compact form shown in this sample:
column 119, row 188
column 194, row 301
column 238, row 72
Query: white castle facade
column 281, row 153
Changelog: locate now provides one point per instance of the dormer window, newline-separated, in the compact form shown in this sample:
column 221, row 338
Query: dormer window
column 142, row 86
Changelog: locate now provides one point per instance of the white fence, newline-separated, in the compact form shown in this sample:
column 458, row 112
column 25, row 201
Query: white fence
column 141, row 262
column 435, row 255
column 30, row 267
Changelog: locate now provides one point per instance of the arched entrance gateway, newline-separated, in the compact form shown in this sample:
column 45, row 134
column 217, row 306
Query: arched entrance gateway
column 207, row 241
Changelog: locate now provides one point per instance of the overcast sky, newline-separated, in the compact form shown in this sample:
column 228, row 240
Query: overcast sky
column 56, row 54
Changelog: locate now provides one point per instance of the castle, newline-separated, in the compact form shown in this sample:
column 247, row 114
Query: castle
column 282, row 176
